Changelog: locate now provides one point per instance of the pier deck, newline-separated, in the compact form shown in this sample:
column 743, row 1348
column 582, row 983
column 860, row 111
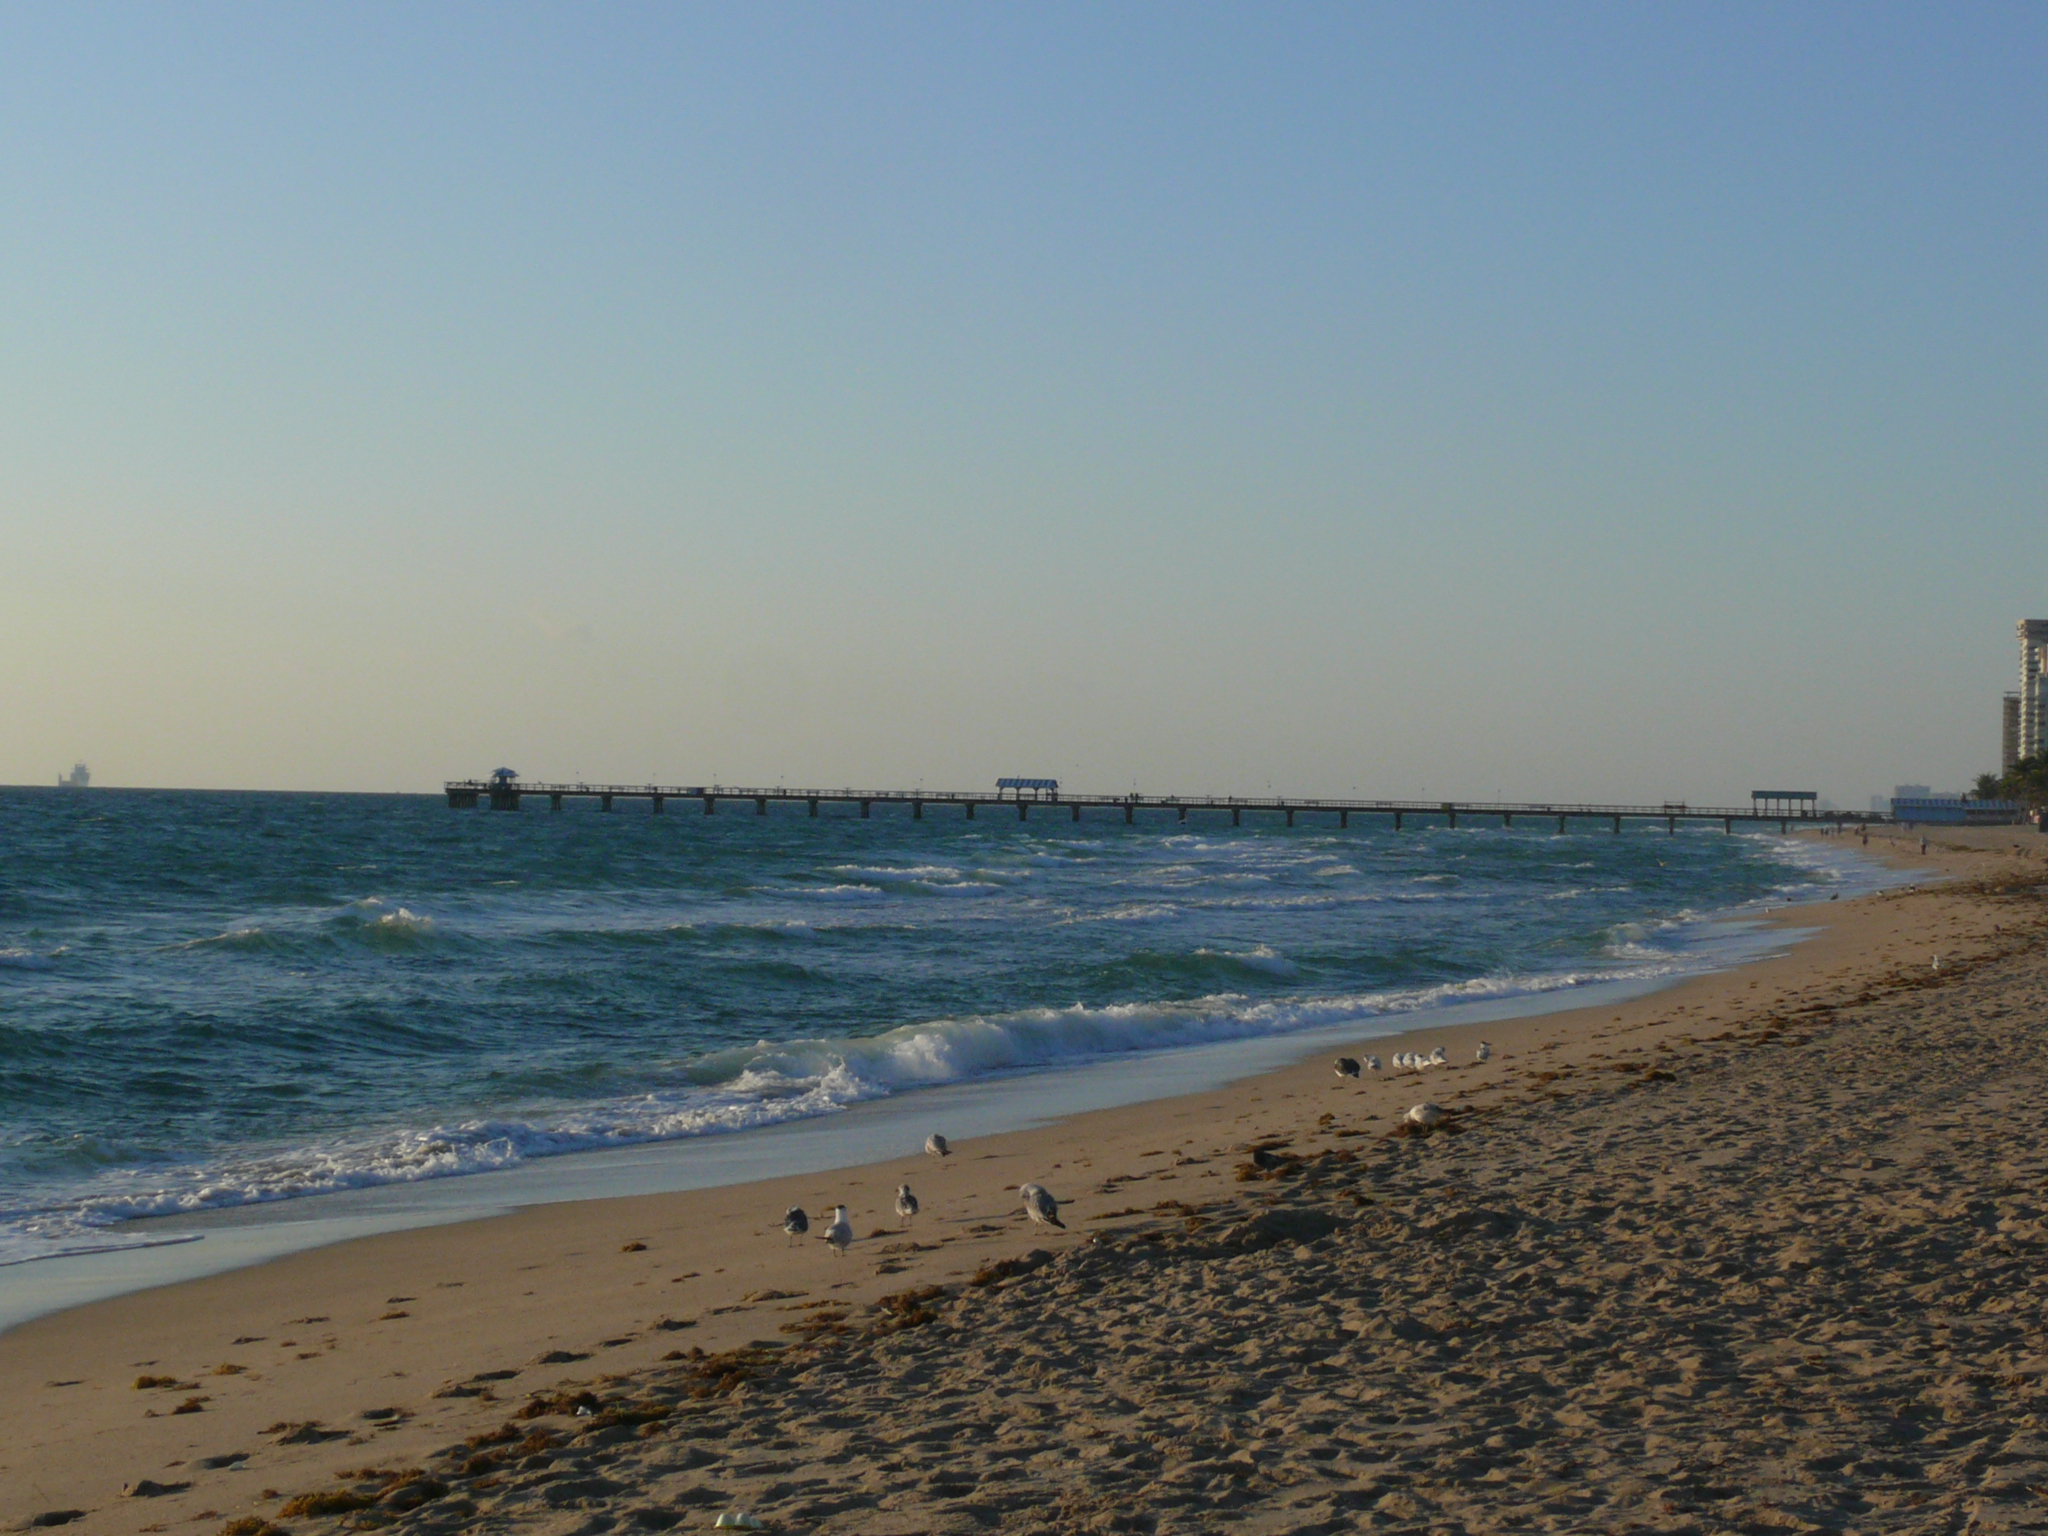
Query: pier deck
column 508, row 795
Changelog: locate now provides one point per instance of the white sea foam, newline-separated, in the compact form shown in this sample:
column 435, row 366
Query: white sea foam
column 1136, row 912
column 16, row 959
column 1262, row 958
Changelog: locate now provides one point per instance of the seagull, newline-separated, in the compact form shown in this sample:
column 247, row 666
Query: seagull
column 795, row 1223
column 1041, row 1207
column 935, row 1146
column 840, row 1233
column 1372, row 1063
column 1425, row 1115
column 1484, row 1053
column 1438, row 1057
column 906, row 1203
column 1347, row 1066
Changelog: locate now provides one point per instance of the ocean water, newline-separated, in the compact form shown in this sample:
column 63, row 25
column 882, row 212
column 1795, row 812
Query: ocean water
column 208, row 1000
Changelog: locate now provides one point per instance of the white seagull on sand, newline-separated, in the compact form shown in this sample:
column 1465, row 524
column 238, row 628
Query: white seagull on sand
column 906, row 1203
column 1372, row 1063
column 1485, row 1052
column 1438, row 1057
column 840, row 1233
column 795, row 1223
column 1041, row 1207
column 1425, row 1115
column 1347, row 1066
column 935, row 1146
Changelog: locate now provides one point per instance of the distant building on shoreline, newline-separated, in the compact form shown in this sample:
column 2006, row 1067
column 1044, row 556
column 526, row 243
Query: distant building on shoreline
column 2009, row 734
column 2033, row 661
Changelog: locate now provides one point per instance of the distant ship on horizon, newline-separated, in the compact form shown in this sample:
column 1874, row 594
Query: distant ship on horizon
column 78, row 778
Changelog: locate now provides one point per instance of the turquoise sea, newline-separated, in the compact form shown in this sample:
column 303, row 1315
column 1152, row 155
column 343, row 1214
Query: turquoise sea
column 209, row 1000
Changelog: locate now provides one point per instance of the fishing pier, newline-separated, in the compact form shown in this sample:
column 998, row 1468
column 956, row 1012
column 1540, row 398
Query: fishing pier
column 1021, row 797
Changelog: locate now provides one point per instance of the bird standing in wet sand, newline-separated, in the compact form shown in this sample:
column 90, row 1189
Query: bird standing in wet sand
column 1347, row 1066
column 795, row 1223
column 1484, row 1053
column 906, row 1203
column 935, row 1146
column 1041, row 1207
column 840, row 1233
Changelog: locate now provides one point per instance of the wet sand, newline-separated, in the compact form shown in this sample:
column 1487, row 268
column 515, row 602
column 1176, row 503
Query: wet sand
column 1762, row 1251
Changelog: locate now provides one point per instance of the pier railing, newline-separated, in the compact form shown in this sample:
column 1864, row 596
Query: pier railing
column 507, row 794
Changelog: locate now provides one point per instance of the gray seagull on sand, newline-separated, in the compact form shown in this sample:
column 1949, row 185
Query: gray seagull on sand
column 906, row 1203
column 1041, row 1207
column 1484, row 1053
column 935, row 1146
column 1372, row 1063
column 1347, row 1066
column 840, row 1233
column 1425, row 1115
column 795, row 1223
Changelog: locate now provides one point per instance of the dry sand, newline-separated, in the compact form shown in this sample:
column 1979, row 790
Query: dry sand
column 1762, row 1251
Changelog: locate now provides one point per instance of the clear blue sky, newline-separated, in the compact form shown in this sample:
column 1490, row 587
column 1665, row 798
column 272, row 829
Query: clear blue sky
column 1622, row 400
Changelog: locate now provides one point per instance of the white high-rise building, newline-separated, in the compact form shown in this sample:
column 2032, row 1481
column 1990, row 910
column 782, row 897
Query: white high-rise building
column 2033, row 664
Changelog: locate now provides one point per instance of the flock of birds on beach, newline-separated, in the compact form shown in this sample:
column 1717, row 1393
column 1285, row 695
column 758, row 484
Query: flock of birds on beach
column 1039, row 1203
column 1407, row 1061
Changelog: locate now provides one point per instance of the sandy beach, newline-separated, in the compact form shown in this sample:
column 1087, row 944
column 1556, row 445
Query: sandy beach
column 1761, row 1251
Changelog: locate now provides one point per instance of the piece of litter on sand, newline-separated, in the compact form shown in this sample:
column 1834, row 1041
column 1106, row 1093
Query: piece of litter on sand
column 736, row 1520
